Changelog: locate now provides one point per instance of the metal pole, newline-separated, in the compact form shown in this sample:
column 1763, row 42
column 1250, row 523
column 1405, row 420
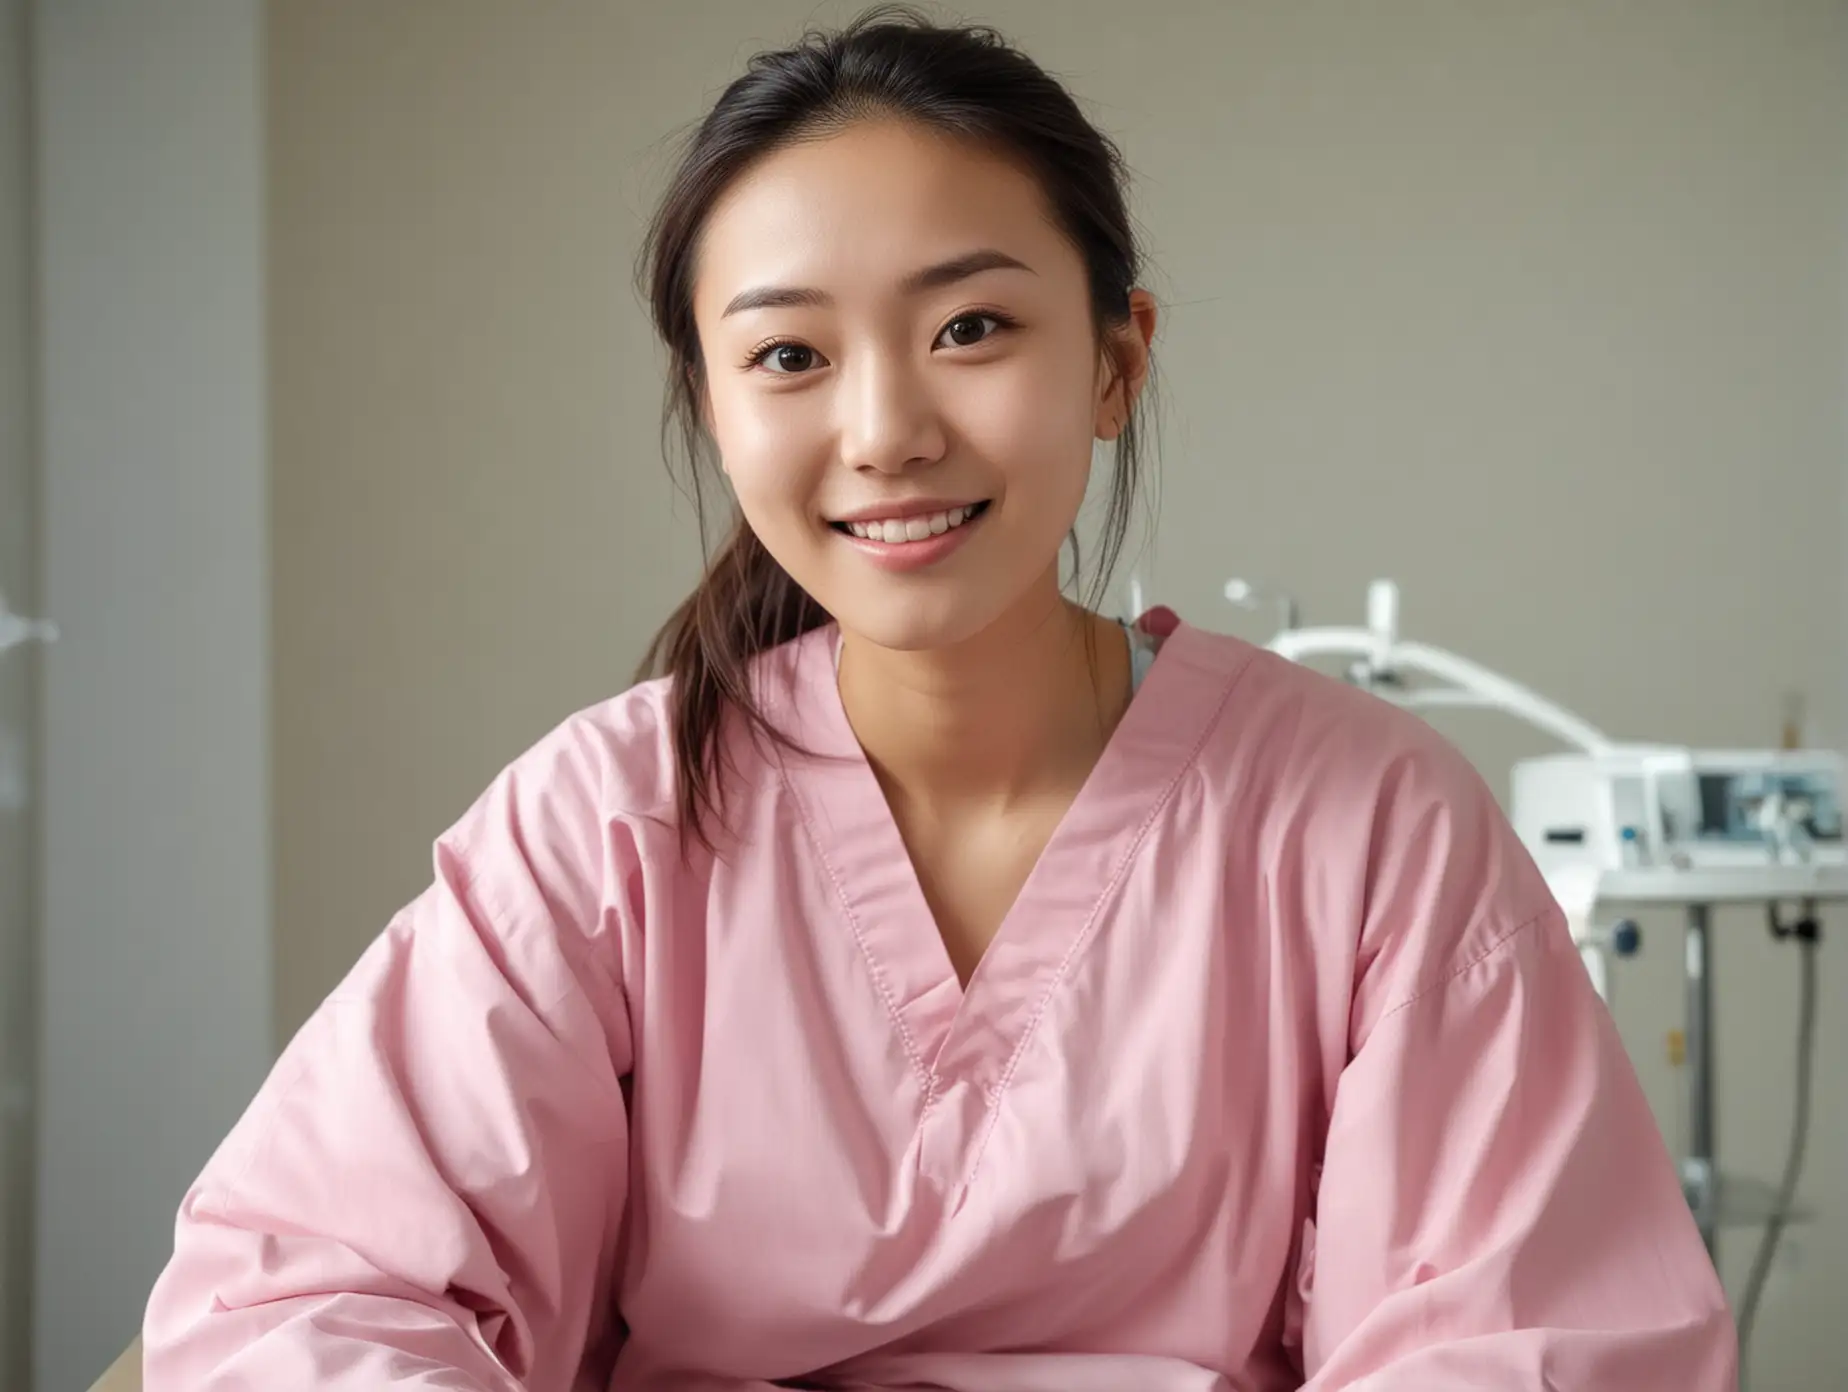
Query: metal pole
column 1699, row 1174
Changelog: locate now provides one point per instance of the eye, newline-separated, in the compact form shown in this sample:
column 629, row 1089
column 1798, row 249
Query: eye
column 785, row 359
column 967, row 330
column 791, row 358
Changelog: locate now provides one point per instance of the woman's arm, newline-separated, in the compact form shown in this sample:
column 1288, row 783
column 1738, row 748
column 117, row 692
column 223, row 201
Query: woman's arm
column 427, row 1191
column 1497, row 1208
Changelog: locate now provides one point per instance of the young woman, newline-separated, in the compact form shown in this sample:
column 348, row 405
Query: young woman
column 930, row 983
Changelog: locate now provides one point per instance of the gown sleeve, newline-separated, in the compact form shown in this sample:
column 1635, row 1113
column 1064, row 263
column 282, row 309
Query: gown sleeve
column 426, row 1191
column 1497, row 1209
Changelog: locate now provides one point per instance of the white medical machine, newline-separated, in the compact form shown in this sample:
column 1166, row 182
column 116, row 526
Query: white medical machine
column 1616, row 827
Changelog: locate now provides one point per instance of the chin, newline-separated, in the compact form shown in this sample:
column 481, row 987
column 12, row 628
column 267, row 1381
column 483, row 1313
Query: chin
column 914, row 623
column 905, row 634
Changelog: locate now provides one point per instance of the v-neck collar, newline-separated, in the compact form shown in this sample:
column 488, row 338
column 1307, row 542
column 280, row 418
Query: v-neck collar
column 975, row 1034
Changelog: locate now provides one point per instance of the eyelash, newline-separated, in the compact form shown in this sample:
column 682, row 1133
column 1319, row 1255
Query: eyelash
column 1003, row 322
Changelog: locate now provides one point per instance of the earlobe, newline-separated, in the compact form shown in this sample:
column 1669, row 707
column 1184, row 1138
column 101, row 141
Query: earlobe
column 1108, row 424
column 1139, row 340
column 1112, row 404
column 1130, row 369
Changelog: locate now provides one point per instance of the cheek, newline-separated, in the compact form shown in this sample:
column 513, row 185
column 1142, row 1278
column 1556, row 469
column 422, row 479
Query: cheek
column 771, row 447
column 1033, row 420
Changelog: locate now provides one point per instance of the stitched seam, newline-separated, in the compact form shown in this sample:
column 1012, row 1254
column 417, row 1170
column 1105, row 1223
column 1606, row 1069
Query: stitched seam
column 1448, row 977
column 880, row 984
column 1128, row 857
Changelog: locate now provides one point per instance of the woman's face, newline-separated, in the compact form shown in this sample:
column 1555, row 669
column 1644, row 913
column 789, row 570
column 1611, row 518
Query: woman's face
column 903, row 377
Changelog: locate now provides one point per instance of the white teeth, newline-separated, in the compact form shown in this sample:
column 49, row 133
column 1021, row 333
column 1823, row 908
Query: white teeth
column 893, row 531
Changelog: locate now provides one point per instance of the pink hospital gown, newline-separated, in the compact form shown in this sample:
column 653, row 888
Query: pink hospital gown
column 1282, row 1071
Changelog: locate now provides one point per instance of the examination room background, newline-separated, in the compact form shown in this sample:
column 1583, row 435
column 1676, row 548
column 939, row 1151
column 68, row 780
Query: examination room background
column 326, row 394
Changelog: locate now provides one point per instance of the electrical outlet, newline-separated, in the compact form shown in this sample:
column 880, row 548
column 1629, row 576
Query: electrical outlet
column 1677, row 1048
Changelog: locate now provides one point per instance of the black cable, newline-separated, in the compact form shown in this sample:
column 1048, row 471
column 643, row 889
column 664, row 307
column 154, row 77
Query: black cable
column 1807, row 942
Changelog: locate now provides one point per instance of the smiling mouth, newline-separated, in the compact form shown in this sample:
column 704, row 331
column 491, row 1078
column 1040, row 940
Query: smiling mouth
column 900, row 531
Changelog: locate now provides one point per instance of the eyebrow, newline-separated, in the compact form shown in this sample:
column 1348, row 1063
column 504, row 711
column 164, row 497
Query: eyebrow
column 935, row 277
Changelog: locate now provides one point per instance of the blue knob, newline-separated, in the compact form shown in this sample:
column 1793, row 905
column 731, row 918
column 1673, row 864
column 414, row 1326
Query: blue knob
column 1626, row 938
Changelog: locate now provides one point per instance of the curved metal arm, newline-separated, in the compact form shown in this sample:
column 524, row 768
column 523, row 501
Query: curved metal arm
column 1380, row 654
column 1500, row 693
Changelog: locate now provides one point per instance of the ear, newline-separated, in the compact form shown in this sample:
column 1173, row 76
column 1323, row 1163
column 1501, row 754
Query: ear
column 1127, row 367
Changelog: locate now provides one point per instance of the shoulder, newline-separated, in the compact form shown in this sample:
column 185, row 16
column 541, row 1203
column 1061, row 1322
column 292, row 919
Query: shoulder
column 574, row 812
column 607, row 774
column 1312, row 739
column 1387, row 836
column 612, row 758
column 1322, row 744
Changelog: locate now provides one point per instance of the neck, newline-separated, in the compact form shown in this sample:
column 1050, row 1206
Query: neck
column 1022, row 709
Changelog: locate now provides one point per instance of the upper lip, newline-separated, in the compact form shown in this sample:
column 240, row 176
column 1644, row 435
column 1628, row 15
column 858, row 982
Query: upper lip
column 896, row 511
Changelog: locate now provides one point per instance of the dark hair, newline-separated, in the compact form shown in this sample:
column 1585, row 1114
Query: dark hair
column 892, row 61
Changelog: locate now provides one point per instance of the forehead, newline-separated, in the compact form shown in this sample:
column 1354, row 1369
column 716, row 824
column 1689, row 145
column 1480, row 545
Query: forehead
column 860, row 208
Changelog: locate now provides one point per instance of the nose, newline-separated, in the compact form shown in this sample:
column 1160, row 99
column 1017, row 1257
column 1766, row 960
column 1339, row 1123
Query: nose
column 890, row 421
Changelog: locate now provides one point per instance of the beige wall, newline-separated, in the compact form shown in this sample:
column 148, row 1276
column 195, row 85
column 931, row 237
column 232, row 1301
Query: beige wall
column 1537, row 308
column 467, row 500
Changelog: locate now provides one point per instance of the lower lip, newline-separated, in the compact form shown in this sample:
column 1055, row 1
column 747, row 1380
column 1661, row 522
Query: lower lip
column 901, row 556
